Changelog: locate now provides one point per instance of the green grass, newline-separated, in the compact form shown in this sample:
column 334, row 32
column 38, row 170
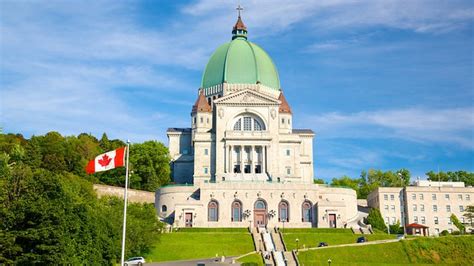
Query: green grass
column 201, row 243
column 312, row 236
column 422, row 251
column 252, row 260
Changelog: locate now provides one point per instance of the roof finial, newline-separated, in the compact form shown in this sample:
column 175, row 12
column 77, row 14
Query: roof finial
column 239, row 30
column 239, row 8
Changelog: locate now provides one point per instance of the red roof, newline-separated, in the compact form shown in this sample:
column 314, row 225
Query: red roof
column 415, row 225
column 201, row 104
column 284, row 106
column 239, row 25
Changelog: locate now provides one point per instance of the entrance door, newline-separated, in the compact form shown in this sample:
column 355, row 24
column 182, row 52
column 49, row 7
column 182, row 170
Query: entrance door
column 260, row 219
column 188, row 219
column 332, row 221
column 260, row 213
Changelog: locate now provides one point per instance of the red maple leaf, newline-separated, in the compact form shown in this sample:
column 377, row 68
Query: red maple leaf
column 105, row 160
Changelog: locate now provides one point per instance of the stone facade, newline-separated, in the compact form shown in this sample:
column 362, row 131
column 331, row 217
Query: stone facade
column 133, row 195
column 426, row 203
column 241, row 163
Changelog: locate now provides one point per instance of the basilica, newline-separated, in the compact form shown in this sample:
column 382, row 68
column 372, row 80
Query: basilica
column 241, row 163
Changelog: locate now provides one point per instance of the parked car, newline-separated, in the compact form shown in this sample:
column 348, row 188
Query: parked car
column 361, row 239
column 135, row 261
column 322, row 244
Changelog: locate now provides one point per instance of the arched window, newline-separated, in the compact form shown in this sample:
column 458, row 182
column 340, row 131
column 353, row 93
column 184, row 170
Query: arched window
column 307, row 211
column 164, row 208
column 283, row 211
column 248, row 123
column 213, row 211
column 236, row 211
column 260, row 205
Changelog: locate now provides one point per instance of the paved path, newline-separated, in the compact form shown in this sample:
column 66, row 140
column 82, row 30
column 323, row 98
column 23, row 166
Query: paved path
column 207, row 262
column 358, row 244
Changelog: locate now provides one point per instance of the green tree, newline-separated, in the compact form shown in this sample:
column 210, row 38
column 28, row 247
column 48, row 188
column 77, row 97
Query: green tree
column 469, row 214
column 457, row 223
column 396, row 228
column 375, row 219
column 346, row 181
column 318, row 181
column 457, row 176
column 149, row 162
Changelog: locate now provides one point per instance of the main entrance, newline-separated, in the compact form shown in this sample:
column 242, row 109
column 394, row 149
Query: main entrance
column 332, row 221
column 260, row 213
column 188, row 219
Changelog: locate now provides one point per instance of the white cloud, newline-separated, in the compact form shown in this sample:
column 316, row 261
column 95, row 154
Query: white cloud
column 449, row 126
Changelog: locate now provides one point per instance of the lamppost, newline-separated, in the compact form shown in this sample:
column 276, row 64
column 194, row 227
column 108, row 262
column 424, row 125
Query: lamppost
column 297, row 245
column 260, row 244
column 250, row 226
column 283, row 221
column 329, row 262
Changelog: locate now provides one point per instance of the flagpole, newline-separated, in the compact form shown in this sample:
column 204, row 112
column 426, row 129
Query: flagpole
column 125, row 205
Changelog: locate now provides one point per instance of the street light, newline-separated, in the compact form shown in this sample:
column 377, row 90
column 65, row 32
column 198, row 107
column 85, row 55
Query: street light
column 260, row 244
column 283, row 221
column 329, row 262
column 297, row 245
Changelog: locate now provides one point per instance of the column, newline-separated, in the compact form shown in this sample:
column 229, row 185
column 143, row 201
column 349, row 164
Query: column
column 264, row 159
column 241, row 158
column 231, row 164
column 252, row 161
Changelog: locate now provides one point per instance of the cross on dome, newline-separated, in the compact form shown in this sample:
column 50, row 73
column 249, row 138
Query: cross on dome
column 239, row 29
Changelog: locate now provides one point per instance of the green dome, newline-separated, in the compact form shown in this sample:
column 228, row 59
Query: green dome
column 240, row 62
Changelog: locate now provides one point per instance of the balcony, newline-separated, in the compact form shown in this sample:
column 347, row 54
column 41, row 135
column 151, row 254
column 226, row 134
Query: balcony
column 247, row 135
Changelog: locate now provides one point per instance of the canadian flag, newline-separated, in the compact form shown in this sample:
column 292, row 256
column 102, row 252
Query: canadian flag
column 107, row 161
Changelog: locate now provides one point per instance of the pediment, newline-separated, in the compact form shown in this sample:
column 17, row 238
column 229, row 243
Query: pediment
column 247, row 97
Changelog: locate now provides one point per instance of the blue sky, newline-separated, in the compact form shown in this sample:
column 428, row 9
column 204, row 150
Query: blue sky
column 384, row 84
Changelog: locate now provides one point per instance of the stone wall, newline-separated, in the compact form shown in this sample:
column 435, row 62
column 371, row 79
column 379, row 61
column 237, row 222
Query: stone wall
column 133, row 194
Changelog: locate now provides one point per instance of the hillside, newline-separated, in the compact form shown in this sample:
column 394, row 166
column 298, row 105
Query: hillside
column 421, row 251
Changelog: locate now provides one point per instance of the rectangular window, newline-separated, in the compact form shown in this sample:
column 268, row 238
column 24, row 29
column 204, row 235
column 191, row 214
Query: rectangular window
column 247, row 123
column 205, row 170
column 468, row 197
column 206, row 152
column 446, row 196
column 283, row 120
column 288, row 170
column 414, row 207
column 386, row 207
column 387, row 220
column 393, row 207
column 392, row 197
column 421, row 196
column 212, row 214
column 448, row 208
column 201, row 120
column 287, row 152
column 413, row 196
column 394, row 220
column 435, row 208
column 460, row 196
column 433, row 196
column 385, row 196
column 461, row 208
column 423, row 220
column 436, row 221
column 422, row 207
column 449, row 221
column 415, row 219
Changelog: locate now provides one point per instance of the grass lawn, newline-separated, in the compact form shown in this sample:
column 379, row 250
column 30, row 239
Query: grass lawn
column 252, row 260
column 201, row 243
column 421, row 251
column 312, row 236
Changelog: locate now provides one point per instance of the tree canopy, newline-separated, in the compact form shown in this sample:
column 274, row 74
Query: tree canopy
column 52, row 216
column 457, row 176
column 149, row 161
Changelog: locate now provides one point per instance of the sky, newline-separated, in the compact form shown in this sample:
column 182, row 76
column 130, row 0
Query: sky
column 384, row 84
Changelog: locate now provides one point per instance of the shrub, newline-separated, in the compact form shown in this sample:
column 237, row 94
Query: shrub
column 444, row 233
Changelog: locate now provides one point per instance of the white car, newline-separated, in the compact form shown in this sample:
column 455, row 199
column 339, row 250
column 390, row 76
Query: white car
column 135, row 261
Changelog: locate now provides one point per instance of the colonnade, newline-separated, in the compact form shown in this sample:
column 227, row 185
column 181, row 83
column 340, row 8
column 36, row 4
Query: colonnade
column 255, row 155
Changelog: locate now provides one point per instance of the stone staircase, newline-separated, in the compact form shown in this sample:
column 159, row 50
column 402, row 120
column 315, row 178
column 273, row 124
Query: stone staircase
column 271, row 246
